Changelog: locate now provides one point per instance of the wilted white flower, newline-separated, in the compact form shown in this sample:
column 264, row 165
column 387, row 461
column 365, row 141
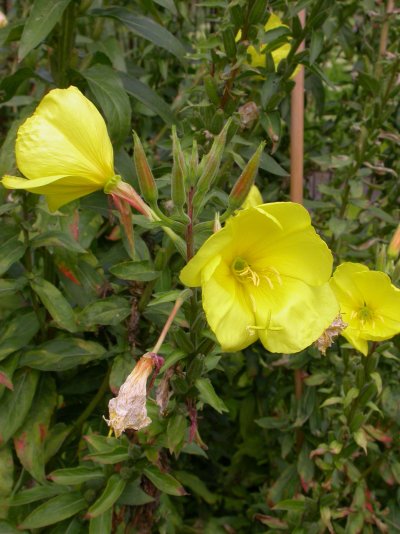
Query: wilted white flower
column 333, row 330
column 128, row 408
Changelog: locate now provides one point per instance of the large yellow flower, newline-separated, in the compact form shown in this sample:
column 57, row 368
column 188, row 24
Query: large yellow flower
column 264, row 275
column 369, row 302
column 63, row 149
column 257, row 55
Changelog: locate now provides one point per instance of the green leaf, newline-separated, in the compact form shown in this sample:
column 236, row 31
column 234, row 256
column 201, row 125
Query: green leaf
column 17, row 333
column 55, row 303
column 208, row 395
column 107, row 311
column 107, row 87
column 15, row 404
column 38, row 493
column 76, row 475
column 176, row 430
column 291, row 505
column 54, row 238
column 113, row 490
column 12, row 250
column 6, row 476
column 140, row 271
column 148, row 97
column 119, row 454
column 164, row 481
column 55, row 510
column 196, row 485
column 62, row 353
column 133, row 495
column 101, row 524
column 42, row 19
column 30, row 441
column 55, row 439
column 146, row 28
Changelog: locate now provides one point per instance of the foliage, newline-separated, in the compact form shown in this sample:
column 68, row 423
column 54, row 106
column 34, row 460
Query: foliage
column 235, row 449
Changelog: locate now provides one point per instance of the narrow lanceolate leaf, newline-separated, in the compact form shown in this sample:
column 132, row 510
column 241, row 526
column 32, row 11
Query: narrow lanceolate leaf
column 38, row 493
column 17, row 332
column 55, row 303
column 164, row 482
column 12, row 250
column 29, row 442
column 62, row 353
column 107, row 87
column 54, row 510
column 43, row 17
column 148, row 97
column 15, row 404
column 113, row 490
column 102, row 524
column 146, row 28
column 208, row 395
column 76, row 475
column 108, row 311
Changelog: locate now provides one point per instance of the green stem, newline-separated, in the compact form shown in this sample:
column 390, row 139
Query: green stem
column 65, row 44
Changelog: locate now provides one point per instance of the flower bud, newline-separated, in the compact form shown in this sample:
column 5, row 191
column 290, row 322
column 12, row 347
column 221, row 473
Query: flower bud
column 210, row 164
column 394, row 246
column 178, row 193
column 147, row 183
column 211, row 89
column 193, row 165
column 245, row 181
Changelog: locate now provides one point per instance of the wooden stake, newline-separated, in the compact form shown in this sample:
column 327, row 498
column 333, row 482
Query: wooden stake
column 297, row 130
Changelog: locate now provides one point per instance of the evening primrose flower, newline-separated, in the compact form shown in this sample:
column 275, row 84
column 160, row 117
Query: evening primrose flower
column 65, row 152
column 369, row 302
column 257, row 55
column 264, row 276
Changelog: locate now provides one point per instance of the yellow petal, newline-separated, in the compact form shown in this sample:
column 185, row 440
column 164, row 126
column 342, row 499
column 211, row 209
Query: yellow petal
column 292, row 247
column 253, row 199
column 293, row 314
column 228, row 309
column 65, row 136
column 274, row 22
column 191, row 273
column 59, row 190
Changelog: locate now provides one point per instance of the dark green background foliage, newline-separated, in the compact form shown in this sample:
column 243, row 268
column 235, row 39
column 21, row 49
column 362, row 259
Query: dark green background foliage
column 75, row 315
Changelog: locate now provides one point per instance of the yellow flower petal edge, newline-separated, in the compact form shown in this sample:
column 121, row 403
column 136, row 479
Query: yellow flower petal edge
column 369, row 303
column 65, row 153
column 265, row 276
column 254, row 198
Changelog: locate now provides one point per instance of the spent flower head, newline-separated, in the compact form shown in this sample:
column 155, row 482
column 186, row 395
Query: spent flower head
column 264, row 276
column 369, row 304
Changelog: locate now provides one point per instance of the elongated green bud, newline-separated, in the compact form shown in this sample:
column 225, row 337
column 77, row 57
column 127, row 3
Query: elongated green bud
column 228, row 38
column 178, row 193
column 212, row 161
column 243, row 184
column 147, row 184
column 211, row 89
column 257, row 12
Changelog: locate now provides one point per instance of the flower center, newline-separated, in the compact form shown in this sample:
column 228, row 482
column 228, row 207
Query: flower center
column 244, row 272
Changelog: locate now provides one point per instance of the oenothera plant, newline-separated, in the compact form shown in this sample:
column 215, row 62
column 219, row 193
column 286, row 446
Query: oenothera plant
column 264, row 275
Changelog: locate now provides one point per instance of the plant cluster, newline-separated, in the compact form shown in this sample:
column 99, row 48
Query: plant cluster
column 180, row 350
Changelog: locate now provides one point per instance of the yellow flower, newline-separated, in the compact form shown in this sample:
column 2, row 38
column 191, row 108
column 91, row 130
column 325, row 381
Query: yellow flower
column 257, row 56
column 253, row 199
column 65, row 153
column 264, row 275
column 369, row 302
